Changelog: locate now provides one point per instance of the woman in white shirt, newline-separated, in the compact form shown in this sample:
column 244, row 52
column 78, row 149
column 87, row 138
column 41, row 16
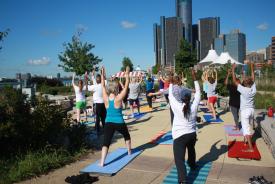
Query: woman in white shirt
column 184, row 128
column 80, row 98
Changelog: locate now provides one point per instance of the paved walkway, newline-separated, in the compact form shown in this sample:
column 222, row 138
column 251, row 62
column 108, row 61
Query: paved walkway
column 156, row 160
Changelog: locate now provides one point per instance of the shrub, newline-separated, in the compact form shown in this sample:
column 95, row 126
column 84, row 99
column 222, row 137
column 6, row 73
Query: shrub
column 263, row 101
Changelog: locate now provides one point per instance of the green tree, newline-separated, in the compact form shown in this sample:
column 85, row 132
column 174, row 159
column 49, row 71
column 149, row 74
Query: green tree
column 78, row 57
column 185, row 57
column 156, row 68
column 3, row 35
column 127, row 62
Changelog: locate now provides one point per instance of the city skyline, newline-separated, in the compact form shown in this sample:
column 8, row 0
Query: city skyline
column 38, row 29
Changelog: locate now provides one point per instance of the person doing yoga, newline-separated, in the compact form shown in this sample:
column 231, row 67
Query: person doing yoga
column 114, row 120
column 184, row 127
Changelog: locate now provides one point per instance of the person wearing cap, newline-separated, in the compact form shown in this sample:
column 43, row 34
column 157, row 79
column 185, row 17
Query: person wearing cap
column 184, row 126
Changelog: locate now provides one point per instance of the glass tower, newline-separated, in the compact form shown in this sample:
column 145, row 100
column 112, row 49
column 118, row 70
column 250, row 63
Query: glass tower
column 184, row 11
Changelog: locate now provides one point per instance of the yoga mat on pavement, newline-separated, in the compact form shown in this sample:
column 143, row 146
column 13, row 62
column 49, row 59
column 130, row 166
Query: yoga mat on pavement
column 145, row 109
column 114, row 162
column 157, row 137
column 166, row 139
column 229, row 129
column 197, row 176
column 209, row 119
column 236, row 149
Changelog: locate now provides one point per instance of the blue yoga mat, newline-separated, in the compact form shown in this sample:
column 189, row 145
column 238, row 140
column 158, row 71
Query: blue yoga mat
column 198, row 176
column 209, row 119
column 138, row 115
column 114, row 162
column 205, row 110
column 166, row 139
column 229, row 129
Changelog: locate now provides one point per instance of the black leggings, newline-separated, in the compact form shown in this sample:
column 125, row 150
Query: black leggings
column 100, row 112
column 166, row 98
column 110, row 129
column 149, row 98
column 179, row 147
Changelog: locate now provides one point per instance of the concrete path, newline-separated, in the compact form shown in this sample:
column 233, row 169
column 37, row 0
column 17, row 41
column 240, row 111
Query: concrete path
column 155, row 162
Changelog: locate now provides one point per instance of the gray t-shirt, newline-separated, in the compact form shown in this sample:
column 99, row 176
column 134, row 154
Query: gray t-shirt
column 134, row 89
column 211, row 90
column 247, row 96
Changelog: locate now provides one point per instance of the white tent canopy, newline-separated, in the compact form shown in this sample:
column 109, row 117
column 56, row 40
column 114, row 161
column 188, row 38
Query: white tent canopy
column 212, row 56
column 225, row 58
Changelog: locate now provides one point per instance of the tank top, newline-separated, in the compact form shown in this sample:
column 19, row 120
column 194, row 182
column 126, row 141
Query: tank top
column 114, row 115
column 79, row 95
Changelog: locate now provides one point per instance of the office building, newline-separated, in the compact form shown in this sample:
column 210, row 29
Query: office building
column 255, row 57
column 235, row 44
column 157, row 44
column 184, row 11
column 58, row 76
column 209, row 29
column 167, row 38
column 268, row 53
column 273, row 50
column 219, row 44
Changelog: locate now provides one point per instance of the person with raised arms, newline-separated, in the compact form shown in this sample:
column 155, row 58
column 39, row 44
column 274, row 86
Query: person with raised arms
column 114, row 120
column 99, row 108
column 184, row 127
column 80, row 98
column 234, row 99
column 134, row 90
column 247, row 91
column 211, row 92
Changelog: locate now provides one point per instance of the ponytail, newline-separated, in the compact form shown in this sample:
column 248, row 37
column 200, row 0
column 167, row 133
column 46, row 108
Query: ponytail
column 186, row 109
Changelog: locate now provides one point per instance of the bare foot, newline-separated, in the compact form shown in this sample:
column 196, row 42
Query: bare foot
column 130, row 152
column 101, row 165
column 236, row 128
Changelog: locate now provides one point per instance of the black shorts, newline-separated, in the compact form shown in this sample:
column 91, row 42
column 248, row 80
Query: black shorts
column 131, row 101
column 204, row 96
column 109, row 130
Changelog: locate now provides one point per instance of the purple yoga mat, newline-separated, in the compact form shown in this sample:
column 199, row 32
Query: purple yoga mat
column 229, row 130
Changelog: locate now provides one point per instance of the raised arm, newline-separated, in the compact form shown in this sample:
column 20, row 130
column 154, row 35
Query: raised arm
column 252, row 71
column 104, row 91
column 73, row 80
column 123, row 93
column 234, row 76
column 93, row 76
column 197, row 96
column 227, row 76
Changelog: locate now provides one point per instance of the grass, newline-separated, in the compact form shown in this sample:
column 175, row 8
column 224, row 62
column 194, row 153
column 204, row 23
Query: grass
column 263, row 101
column 35, row 163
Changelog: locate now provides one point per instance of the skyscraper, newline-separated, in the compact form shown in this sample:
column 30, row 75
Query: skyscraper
column 235, row 44
column 184, row 11
column 209, row 29
column 157, row 44
column 167, row 38
column 273, row 51
column 219, row 44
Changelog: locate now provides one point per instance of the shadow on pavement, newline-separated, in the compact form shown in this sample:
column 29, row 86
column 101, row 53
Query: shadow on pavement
column 81, row 179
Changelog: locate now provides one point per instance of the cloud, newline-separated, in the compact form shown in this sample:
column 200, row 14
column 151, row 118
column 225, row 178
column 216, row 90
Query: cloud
column 263, row 26
column 81, row 28
column 121, row 52
column 39, row 62
column 128, row 25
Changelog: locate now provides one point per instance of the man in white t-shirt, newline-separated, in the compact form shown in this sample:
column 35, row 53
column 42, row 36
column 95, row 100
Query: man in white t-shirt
column 98, row 103
column 247, row 91
column 134, row 90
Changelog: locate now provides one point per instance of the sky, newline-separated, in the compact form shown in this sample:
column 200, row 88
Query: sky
column 117, row 28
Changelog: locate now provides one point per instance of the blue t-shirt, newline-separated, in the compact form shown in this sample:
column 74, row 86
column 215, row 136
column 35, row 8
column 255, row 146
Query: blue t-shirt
column 149, row 85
